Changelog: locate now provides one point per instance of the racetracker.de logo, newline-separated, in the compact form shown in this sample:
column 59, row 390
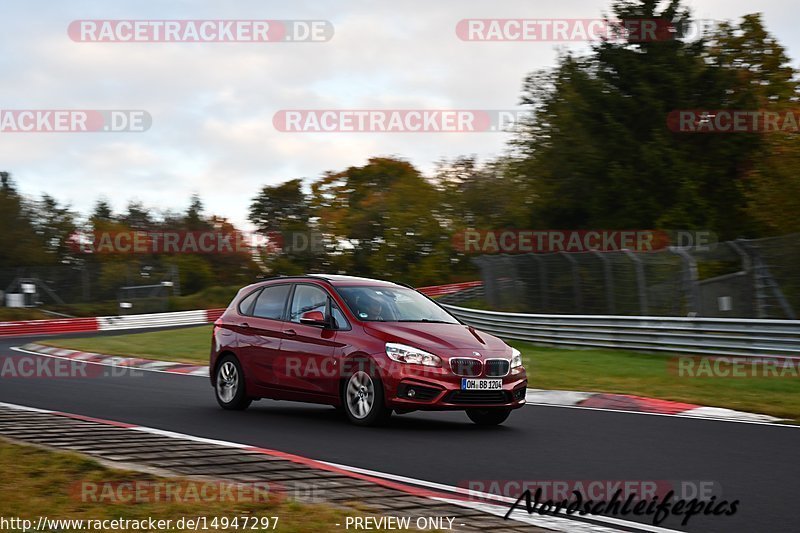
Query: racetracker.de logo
column 74, row 120
column 397, row 120
column 161, row 242
column 173, row 491
column 733, row 121
column 516, row 241
column 200, row 31
column 196, row 242
column 565, row 30
column 40, row 367
column 734, row 367
column 534, row 241
column 591, row 489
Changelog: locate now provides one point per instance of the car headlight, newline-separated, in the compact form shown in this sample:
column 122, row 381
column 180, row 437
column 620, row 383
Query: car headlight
column 407, row 354
column 516, row 358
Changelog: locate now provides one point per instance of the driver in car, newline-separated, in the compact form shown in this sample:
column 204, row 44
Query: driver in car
column 371, row 309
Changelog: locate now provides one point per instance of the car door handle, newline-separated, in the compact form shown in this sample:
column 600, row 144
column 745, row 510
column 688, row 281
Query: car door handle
column 290, row 332
column 244, row 325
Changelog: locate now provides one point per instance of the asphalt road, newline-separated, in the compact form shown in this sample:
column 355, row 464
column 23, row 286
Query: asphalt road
column 755, row 464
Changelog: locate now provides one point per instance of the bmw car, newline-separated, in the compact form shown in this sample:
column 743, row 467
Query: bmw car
column 364, row 346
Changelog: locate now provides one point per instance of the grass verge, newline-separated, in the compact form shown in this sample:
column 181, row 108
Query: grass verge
column 183, row 345
column 44, row 483
column 614, row 371
column 653, row 375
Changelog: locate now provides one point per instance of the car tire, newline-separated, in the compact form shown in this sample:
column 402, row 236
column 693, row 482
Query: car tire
column 229, row 385
column 363, row 399
column 488, row 417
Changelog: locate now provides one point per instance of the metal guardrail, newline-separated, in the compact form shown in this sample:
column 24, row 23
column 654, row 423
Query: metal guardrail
column 155, row 320
column 702, row 336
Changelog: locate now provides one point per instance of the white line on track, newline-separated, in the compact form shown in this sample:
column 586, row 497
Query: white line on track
column 677, row 415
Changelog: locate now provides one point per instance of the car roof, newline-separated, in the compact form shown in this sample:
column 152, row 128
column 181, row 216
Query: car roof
column 337, row 280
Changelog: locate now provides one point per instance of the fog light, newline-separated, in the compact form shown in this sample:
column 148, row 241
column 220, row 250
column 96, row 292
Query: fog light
column 411, row 393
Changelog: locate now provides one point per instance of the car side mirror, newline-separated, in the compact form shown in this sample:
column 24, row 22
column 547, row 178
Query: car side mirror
column 313, row 318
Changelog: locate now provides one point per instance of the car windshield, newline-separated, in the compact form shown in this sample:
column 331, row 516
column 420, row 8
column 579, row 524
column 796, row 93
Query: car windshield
column 393, row 304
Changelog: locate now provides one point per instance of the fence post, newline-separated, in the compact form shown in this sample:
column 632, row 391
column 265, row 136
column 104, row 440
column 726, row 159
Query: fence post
column 690, row 280
column 576, row 281
column 489, row 281
column 747, row 269
column 609, row 281
column 175, row 273
column 541, row 271
column 85, row 283
column 766, row 284
column 641, row 282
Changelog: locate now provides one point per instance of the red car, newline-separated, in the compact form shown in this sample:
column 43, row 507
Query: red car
column 367, row 347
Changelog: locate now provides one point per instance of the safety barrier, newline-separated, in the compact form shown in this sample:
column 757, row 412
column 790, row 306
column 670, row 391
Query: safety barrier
column 107, row 323
column 45, row 327
column 155, row 320
column 720, row 336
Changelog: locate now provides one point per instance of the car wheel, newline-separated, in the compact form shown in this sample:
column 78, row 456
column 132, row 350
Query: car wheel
column 229, row 385
column 488, row 417
column 363, row 399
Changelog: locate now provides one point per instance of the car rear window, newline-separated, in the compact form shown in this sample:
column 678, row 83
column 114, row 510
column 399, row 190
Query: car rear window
column 246, row 305
column 271, row 302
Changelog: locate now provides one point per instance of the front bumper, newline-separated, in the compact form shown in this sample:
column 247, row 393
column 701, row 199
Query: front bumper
column 440, row 390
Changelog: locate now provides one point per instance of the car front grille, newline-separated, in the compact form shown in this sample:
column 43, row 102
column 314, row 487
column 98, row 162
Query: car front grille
column 497, row 368
column 477, row 397
column 466, row 367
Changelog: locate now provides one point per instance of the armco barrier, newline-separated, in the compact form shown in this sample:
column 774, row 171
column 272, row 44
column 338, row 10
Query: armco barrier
column 720, row 336
column 106, row 323
column 46, row 327
column 156, row 320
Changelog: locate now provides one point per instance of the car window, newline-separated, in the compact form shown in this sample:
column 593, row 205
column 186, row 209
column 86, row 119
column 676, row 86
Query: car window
column 392, row 304
column 339, row 320
column 271, row 302
column 246, row 305
column 308, row 298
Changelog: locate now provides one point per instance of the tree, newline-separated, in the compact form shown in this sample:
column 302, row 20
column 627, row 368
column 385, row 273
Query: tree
column 384, row 220
column 764, row 80
column 599, row 147
column 193, row 219
column 282, row 214
column 137, row 217
column 281, row 207
column 102, row 211
column 56, row 226
column 20, row 244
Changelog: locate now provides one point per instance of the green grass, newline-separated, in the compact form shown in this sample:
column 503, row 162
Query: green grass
column 615, row 371
column 643, row 374
column 23, row 313
column 184, row 345
column 40, row 482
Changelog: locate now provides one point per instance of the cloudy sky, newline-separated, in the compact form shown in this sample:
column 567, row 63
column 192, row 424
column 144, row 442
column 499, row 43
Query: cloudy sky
column 212, row 104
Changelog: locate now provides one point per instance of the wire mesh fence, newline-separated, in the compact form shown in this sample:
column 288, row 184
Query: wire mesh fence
column 742, row 279
column 89, row 282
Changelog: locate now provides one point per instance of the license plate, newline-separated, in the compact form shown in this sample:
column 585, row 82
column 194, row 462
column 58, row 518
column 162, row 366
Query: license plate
column 481, row 384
